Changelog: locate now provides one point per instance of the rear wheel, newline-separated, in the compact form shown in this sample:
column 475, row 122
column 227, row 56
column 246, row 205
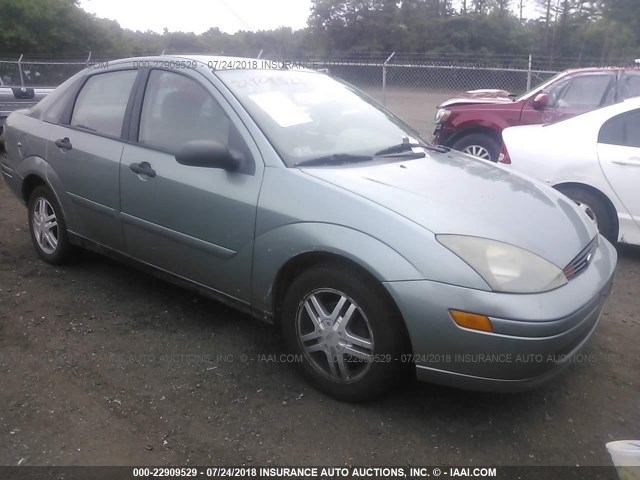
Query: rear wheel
column 347, row 336
column 478, row 145
column 47, row 227
column 596, row 208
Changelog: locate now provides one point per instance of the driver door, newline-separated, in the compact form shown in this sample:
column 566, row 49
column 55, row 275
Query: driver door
column 195, row 222
column 571, row 96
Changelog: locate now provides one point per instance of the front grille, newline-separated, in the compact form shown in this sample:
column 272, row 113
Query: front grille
column 582, row 260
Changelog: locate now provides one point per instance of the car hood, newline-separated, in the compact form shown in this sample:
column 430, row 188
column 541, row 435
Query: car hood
column 458, row 194
column 479, row 97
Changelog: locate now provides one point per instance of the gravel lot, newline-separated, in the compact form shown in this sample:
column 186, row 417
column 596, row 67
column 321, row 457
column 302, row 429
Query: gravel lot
column 101, row 364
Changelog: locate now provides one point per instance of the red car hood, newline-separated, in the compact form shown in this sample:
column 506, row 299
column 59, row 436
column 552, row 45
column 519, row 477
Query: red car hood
column 486, row 96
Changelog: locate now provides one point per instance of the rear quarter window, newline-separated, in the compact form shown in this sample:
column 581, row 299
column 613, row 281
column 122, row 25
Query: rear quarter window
column 623, row 130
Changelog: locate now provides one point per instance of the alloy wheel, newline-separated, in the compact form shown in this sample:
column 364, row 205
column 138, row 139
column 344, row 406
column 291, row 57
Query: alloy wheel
column 477, row 151
column 45, row 226
column 335, row 335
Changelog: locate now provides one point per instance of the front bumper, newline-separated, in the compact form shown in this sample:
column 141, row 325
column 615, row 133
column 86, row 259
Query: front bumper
column 535, row 335
column 442, row 135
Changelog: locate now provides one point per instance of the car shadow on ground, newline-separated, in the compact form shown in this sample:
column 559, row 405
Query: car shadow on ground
column 256, row 339
column 628, row 251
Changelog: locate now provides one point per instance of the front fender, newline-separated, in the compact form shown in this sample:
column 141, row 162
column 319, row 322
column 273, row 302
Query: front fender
column 492, row 122
column 275, row 248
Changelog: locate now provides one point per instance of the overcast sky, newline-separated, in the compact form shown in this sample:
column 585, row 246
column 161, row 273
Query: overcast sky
column 200, row 15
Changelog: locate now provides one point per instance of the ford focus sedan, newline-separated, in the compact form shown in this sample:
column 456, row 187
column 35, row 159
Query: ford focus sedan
column 298, row 199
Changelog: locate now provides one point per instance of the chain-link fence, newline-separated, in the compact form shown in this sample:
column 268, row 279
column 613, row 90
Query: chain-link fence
column 38, row 73
column 514, row 74
column 398, row 71
column 411, row 85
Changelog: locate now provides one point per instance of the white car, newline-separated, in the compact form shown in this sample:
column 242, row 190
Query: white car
column 593, row 158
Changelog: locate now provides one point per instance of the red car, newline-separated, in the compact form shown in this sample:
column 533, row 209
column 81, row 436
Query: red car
column 473, row 124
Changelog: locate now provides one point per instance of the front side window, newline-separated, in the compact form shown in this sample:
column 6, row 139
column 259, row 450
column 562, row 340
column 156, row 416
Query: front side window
column 586, row 92
column 623, row 130
column 102, row 102
column 307, row 115
column 177, row 109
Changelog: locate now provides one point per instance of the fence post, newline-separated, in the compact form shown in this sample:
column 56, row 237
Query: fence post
column 20, row 70
column 384, row 79
column 88, row 60
column 529, row 73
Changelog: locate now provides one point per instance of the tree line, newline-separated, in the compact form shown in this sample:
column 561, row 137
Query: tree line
column 602, row 31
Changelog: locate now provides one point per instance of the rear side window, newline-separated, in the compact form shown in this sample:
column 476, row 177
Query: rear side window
column 629, row 85
column 102, row 102
column 623, row 130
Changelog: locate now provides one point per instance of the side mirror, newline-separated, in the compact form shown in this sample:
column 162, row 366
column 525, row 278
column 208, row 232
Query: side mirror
column 541, row 101
column 209, row 154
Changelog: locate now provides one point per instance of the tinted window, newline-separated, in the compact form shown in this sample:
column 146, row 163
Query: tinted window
column 622, row 130
column 176, row 110
column 102, row 102
column 630, row 85
column 586, row 92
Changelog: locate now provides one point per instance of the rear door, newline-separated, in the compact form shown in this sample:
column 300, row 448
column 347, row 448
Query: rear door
column 85, row 150
column 195, row 222
column 619, row 154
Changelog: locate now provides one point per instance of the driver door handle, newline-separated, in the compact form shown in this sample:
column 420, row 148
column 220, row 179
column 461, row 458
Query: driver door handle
column 143, row 168
column 64, row 143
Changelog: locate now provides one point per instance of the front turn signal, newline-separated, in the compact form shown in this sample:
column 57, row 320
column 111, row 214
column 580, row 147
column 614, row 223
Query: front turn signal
column 471, row 321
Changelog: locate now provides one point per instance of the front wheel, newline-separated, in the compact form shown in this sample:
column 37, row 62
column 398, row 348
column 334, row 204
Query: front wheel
column 478, row 145
column 347, row 336
column 47, row 227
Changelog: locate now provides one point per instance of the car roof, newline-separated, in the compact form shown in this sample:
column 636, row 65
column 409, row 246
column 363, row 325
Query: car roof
column 172, row 56
column 220, row 62
column 604, row 69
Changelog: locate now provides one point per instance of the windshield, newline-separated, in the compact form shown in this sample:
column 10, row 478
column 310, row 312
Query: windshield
column 308, row 115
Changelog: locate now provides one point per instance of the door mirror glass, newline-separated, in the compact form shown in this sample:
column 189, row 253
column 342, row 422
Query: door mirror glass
column 208, row 154
column 541, row 101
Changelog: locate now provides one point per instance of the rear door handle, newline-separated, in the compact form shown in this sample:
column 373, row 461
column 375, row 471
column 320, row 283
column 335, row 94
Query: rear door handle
column 632, row 162
column 64, row 143
column 143, row 168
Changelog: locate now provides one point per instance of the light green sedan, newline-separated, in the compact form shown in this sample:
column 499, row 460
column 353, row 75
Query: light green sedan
column 298, row 199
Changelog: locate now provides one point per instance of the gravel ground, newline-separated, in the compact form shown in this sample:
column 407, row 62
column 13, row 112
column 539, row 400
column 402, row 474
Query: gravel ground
column 103, row 365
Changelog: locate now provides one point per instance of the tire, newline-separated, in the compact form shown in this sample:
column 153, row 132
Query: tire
column 49, row 237
column 596, row 208
column 484, row 146
column 319, row 344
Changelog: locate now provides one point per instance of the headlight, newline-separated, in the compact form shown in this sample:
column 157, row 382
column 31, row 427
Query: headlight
column 504, row 267
column 442, row 115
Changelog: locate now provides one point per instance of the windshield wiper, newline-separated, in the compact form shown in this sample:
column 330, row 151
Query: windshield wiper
column 336, row 159
column 408, row 147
